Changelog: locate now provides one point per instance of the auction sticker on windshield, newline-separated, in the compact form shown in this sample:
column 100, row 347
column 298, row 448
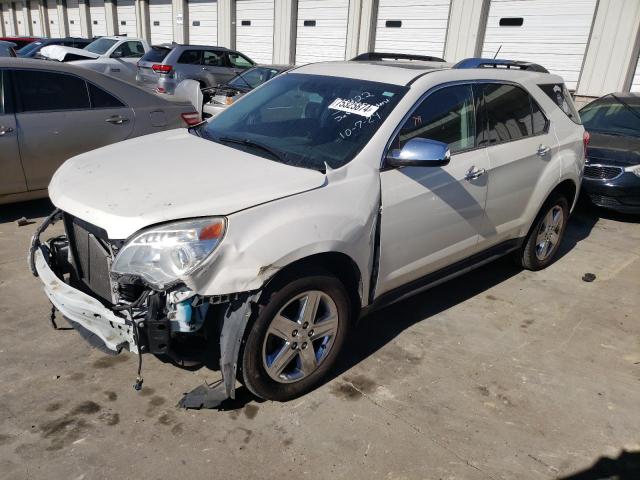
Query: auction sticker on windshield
column 357, row 108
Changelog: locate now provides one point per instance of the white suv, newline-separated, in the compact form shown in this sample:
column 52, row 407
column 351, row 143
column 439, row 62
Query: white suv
column 329, row 191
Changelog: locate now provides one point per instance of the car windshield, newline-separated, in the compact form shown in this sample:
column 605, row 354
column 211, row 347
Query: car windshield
column 101, row 45
column 305, row 120
column 253, row 77
column 28, row 48
column 612, row 115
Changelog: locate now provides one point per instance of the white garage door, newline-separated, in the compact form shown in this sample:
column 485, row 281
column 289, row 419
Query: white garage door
column 36, row 24
column 254, row 29
column 203, row 22
column 321, row 30
column 412, row 26
column 52, row 17
column 126, row 10
column 98, row 18
column 635, row 83
column 73, row 16
column 161, row 20
column 23, row 23
column 549, row 32
column 8, row 24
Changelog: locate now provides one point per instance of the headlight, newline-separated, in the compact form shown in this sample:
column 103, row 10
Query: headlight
column 165, row 254
column 635, row 170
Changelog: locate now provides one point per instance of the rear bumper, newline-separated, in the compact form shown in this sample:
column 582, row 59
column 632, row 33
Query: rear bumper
column 621, row 194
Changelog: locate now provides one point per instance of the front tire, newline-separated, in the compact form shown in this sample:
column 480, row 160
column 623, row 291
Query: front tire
column 543, row 241
column 297, row 335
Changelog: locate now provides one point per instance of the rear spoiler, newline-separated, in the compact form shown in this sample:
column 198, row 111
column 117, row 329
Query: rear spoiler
column 498, row 63
column 373, row 56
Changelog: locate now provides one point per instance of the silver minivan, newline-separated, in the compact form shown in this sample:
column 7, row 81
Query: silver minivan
column 165, row 66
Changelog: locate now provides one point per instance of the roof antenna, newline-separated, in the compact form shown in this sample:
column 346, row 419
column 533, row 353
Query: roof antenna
column 499, row 48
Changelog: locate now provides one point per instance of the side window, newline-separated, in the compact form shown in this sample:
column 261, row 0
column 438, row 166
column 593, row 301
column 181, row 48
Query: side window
column 508, row 112
column 447, row 115
column 560, row 95
column 128, row 50
column 238, row 60
column 212, row 58
column 42, row 91
column 190, row 57
column 539, row 121
column 102, row 99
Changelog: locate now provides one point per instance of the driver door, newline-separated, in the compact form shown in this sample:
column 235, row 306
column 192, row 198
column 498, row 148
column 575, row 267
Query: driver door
column 434, row 216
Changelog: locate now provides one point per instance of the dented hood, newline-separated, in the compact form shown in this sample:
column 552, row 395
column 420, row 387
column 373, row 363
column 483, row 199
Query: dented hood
column 59, row 52
column 170, row 176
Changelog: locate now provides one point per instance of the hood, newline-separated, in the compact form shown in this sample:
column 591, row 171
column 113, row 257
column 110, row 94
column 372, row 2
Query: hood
column 59, row 53
column 613, row 149
column 170, row 176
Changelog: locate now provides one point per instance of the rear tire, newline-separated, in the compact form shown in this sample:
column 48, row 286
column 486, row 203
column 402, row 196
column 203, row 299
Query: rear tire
column 545, row 236
column 286, row 352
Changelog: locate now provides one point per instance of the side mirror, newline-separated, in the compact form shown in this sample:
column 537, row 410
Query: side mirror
column 420, row 152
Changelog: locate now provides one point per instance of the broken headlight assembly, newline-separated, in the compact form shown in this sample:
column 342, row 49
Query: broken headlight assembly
column 163, row 255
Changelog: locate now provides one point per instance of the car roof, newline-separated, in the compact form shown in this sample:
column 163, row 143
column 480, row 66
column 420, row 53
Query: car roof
column 279, row 67
column 405, row 72
column 192, row 47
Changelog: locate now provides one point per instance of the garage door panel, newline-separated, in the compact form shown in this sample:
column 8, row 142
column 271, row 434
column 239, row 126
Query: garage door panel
column 23, row 22
column 53, row 19
column 327, row 38
column 73, row 17
column 203, row 22
column 254, row 29
column 98, row 18
column 127, row 22
column 553, row 33
column 8, row 24
column 36, row 25
column 412, row 26
column 161, row 21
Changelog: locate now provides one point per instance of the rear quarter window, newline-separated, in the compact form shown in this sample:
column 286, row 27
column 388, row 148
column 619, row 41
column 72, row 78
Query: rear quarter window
column 562, row 98
column 156, row 54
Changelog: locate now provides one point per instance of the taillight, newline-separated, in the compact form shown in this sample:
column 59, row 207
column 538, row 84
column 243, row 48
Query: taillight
column 585, row 141
column 159, row 68
column 191, row 118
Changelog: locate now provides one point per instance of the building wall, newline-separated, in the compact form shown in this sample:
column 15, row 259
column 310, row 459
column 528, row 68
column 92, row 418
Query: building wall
column 609, row 64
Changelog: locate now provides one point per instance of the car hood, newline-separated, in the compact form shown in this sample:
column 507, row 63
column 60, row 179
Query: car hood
column 170, row 176
column 613, row 149
column 59, row 52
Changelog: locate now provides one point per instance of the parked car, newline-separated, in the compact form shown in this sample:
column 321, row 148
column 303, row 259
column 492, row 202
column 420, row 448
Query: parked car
column 33, row 49
column 20, row 41
column 7, row 49
column 50, row 112
column 612, row 172
column 332, row 190
column 217, row 98
column 114, row 56
column 165, row 66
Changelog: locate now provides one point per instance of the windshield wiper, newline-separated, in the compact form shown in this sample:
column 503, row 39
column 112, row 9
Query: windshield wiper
column 251, row 143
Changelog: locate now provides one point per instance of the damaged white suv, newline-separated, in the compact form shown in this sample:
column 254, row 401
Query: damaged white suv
column 260, row 237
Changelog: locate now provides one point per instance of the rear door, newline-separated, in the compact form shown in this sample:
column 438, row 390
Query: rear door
column 520, row 146
column 60, row 116
column 215, row 67
column 12, row 179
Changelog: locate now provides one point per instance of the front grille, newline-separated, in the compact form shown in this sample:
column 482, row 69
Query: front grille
column 603, row 200
column 91, row 257
column 602, row 172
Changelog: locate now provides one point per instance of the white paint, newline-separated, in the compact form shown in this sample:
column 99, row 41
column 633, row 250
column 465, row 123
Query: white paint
column 36, row 24
column 423, row 27
column 54, row 20
column 73, row 17
column 635, row 82
column 327, row 40
column 554, row 34
column 8, row 24
column 256, row 38
column 126, row 14
column 203, row 22
column 98, row 18
column 161, row 21
column 21, row 20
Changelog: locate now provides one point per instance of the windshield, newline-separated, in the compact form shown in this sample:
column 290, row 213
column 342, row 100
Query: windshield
column 613, row 116
column 253, row 77
column 28, row 48
column 306, row 120
column 101, row 45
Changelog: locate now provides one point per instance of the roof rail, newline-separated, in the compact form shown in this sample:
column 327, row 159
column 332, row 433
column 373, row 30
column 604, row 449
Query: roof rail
column 369, row 56
column 496, row 62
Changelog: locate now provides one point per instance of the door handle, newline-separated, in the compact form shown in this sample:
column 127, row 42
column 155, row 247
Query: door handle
column 543, row 150
column 474, row 173
column 117, row 120
column 4, row 130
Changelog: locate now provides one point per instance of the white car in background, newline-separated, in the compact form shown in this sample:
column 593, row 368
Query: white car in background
column 114, row 56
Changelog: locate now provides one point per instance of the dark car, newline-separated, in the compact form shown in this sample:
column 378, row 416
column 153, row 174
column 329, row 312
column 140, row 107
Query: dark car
column 20, row 41
column 612, row 170
column 31, row 50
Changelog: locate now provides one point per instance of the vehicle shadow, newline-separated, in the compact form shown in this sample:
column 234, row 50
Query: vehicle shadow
column 625, row 467
column 31, row 210
column 588, row 208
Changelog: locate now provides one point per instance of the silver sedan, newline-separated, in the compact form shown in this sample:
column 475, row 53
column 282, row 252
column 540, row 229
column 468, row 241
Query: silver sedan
column 51, row 111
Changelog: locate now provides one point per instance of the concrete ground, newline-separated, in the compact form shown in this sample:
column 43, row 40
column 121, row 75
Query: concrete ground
column 500, row 374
